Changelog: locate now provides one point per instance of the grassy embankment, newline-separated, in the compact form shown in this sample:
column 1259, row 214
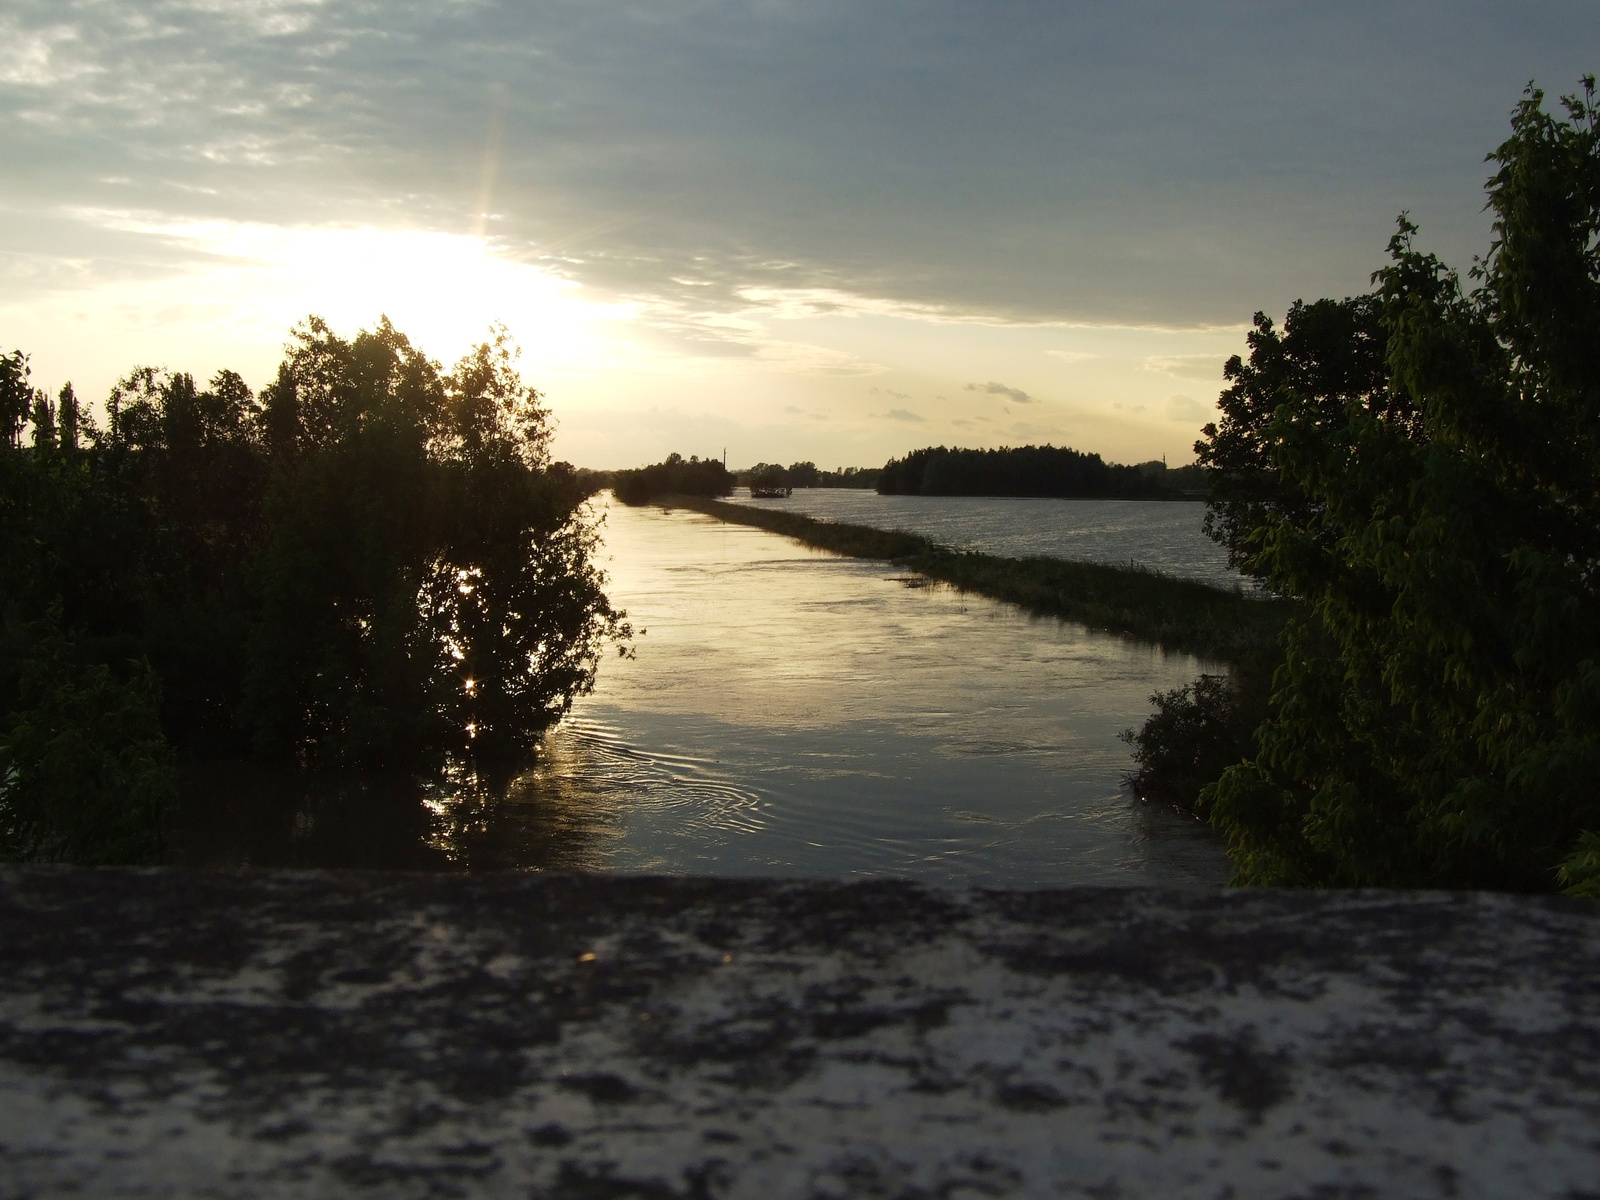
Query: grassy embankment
column 1178, row 614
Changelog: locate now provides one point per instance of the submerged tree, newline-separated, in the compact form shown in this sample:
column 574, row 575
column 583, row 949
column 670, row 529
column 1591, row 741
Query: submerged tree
column 427, row 580
column 1422, row 468
column 374, row 563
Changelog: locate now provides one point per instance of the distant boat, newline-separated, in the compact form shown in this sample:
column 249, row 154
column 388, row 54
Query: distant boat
column 769, row 493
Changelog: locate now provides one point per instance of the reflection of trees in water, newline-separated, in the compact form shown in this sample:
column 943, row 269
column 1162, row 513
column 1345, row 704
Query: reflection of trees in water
column 237, row 814
column 555, row 816
column 552, row 817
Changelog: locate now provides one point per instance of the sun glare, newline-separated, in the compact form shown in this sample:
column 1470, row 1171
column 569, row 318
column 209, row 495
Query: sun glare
column 443, row 290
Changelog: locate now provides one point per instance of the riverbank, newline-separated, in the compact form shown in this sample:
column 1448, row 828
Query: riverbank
column 1177, row 614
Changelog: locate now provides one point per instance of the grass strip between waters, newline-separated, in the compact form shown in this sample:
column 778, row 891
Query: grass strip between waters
column 1178, row 614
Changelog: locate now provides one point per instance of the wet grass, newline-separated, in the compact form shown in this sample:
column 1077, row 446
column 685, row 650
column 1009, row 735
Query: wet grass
column 1223, row 624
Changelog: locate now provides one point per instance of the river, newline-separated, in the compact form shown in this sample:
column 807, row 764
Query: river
column 787, row 712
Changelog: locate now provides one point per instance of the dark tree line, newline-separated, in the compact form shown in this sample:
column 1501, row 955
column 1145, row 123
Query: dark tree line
column 692, row 476
column 1020, row 471
column 1420, row 469
column 864, row 478
column 372, row 562
column 809, row 475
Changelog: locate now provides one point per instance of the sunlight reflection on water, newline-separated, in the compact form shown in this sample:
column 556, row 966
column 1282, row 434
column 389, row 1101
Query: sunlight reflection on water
column 789, row 712
column 786, row 712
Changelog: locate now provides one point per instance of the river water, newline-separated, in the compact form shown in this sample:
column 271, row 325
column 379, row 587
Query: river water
column 787, row 712
column 1164, row 534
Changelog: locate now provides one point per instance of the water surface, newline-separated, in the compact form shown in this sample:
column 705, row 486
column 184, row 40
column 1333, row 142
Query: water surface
column 789, row 712
column 786, row 712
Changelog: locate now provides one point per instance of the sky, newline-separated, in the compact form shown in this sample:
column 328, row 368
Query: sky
column 787, row 230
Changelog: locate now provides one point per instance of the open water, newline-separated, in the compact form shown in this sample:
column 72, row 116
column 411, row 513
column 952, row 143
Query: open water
column 788, row 712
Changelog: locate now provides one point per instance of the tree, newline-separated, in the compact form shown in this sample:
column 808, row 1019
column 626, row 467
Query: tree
column 428, row 581
column 693, row 476
column 374, row 563
column 1437, row 713
column 86, row 774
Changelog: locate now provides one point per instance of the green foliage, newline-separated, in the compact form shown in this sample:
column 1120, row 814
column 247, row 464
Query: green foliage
column 802, row 475
column 375, row 563
column 1437, row 713
column 1579, row 874
column 426, row 581
column 1195, row 733
column 678, row 476
column 767, row 479
column 1179, row 614
column 1330, row 355
column 16, row 397
column 844, row 477
column 854, row 541
column 86, row 775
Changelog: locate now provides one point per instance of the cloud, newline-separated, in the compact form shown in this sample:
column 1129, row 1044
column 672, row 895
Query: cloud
column 1187, row 408
column 1035, row 432
column 1207, row 367
column 901, row 414
column 34, row 58
column 961, row 423
column 891, row 393
column 806, row 194
column 804, row 304
column 743, row 149
column 696, row 329
column 1016, row 395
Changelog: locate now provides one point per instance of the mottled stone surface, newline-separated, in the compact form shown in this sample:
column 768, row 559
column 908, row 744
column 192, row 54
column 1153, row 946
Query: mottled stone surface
column 310, row 1034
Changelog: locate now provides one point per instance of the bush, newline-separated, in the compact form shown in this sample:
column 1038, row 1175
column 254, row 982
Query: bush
column 86, row 775
column 1195, row 733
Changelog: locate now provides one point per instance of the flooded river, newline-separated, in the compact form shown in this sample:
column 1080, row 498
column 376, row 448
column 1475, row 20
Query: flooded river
column 787, row 712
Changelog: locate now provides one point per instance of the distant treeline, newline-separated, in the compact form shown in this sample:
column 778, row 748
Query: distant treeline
column 806, row 475
column 1032, row 471
column 692, row 476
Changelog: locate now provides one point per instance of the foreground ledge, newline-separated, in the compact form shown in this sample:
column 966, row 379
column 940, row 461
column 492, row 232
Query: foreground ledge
column 307, row 1034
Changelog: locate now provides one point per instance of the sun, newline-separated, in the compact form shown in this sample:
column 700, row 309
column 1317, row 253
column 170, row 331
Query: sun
column 443, row 290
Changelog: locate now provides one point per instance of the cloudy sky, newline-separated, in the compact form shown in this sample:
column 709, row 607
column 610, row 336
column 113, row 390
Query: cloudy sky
column 812, row 229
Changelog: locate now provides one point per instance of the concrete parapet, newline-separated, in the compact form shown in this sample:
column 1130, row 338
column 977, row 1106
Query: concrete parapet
column 307, row 1034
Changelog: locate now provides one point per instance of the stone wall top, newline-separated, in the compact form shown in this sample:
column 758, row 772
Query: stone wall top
column 251, row 1034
